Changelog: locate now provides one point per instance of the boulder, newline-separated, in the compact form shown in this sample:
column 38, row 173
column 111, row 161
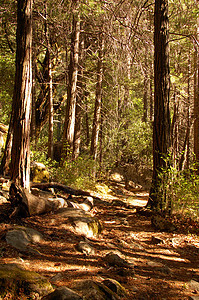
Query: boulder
column 194, row 285
column 115, row 286
column 115, row 260
column 91, row 290
column 22, row 237
column 18, row 283
column 62, row 293
column 83, row 223
column 159, row 267
column 85, row 247
column 162, row 224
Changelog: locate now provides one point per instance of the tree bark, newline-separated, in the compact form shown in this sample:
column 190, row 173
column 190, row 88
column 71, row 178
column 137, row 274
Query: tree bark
column 50, row 88
column 146, row 87
column 79, row 101
column 69, row 126
column 161, row 126
column 50, row 107
column 196, row 99
column 20, row 153
column 98, row 99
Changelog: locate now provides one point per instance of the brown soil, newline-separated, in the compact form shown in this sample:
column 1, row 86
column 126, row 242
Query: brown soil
column 161, row 271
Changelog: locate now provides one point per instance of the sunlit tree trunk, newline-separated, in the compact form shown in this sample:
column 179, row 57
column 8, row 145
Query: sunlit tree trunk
column 50, row 107
column 69, row 126
column 188, row 113
column 196, row 97
column 20, row 154
column 161, row 127
column 79, row 100
column 98, row 99
column 50, row 88
column 41, row 102
column 87, row 123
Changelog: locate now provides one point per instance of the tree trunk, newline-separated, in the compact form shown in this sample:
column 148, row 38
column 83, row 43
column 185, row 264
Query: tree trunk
column 79, row 99
column 20, row 154
column 69, row 126
column 146, row 87
column 50, row 107
column 151, row 93
column 188, row 112
column 87, row 123
column 196, row 99
column 161, row 127
column 41, row 103
column 50, row 87
column 98, row 99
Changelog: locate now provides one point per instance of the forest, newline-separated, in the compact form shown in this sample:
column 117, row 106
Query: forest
column 92, row 86
column 104, row 95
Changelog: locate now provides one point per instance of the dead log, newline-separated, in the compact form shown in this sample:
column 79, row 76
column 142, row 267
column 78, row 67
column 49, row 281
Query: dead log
column 26, row 204
column 62, row 187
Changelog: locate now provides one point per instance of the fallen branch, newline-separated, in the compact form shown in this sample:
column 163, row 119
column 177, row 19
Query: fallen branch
column 62, row 187
column 27, row 204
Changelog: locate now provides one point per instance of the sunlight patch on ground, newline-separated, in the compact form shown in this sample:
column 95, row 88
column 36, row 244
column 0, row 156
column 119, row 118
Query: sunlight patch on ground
column 103, row 189
column 137, row 202
column 173, row 258
column 52, row 268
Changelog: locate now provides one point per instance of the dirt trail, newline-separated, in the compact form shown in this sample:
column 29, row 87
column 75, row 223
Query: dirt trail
column 164, row 262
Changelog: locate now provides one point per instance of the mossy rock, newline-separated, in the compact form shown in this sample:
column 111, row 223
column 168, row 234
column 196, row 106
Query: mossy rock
column 94, row 290
column 18, row 283
column 115, row 286
column 88, row 226
column 39, row 172
column 82, row 221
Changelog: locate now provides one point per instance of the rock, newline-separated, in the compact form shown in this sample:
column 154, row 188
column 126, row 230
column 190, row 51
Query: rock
column 62, row 293
column 87, row 205
column 116, row 261
column 83, row 223
column 115, row 286
column 58, row 277
column 30, row 284
column 161, row 223
column 193, row 284
column 118, row 203
column 21, row 237
column 88, row 226
column 85, row 248
column 3, row 199
column 39, row 172
column 159, row 267
column 136, row 246
column 157, row 240
column 93, row 290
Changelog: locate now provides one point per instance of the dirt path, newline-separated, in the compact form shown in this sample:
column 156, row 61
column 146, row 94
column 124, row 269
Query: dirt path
column 164, row 263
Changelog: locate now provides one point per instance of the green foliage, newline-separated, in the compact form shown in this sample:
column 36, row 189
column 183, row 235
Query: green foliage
column 180, row 190
column 76, row 173
column 7, row 70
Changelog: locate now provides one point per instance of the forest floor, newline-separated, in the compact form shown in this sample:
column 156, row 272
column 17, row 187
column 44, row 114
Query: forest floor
column 163, row 269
